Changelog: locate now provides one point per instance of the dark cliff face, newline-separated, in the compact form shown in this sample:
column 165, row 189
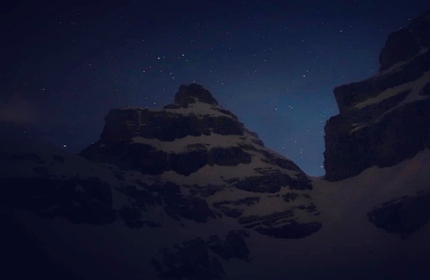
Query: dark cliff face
column 384, row 119
column 154, row 141
column 406, row 43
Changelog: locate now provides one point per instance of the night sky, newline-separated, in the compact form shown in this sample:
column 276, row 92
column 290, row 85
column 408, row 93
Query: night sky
column 272, row 63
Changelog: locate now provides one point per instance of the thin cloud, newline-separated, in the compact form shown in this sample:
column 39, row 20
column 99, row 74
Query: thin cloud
column 18, row 110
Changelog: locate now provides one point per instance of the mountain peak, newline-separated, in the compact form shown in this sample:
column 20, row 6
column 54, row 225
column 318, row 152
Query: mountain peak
column 193, row 93
column 406, row 43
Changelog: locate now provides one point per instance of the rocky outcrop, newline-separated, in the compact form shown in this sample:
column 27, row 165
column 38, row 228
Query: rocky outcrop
column 168, row 195
column 198, row 258
column 233, row 246
column 270, row 181
column 384, row 119
column 167, row 125
column 78, row 200
column 406, row 43
column 403, row 216
column 282, row 224
column 149, row 160
column 234, row 209
column 189, row 260
column 192, row 94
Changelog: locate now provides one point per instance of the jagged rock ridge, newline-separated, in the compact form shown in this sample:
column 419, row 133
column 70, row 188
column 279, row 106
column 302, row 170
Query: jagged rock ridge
column 384, row 119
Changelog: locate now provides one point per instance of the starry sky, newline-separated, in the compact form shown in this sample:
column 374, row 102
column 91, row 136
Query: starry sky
column 274, row 64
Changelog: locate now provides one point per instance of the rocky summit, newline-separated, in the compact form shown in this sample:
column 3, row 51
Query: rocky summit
column 384, row 119
column 195, row 145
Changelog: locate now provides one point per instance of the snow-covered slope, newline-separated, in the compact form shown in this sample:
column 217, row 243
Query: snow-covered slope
column 79, row 226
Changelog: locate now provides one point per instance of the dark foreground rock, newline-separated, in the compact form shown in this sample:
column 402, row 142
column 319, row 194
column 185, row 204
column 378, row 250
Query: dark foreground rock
column 403, row 216
column 197, row 259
